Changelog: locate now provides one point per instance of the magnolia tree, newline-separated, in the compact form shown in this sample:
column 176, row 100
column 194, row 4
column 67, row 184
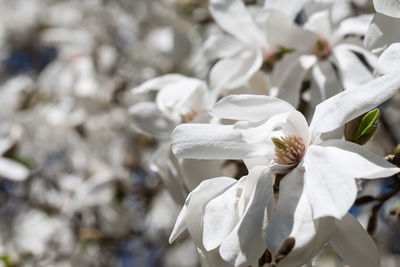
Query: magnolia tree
column 293, row 100
column 183, row 133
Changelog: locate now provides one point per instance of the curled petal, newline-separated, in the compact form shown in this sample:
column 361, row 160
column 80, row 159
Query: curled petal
column 233, row 72
column 149, row 118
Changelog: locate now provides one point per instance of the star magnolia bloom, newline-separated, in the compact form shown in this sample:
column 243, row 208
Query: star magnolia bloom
column 270, row 132
column 179, row 99
column 233, row 222
column 253, row 38
column 327, row 48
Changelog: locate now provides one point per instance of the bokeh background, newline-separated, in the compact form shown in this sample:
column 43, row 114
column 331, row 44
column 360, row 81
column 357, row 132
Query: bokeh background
column 76, row 188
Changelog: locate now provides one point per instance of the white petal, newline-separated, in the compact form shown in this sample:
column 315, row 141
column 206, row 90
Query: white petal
column 195, row 171
column 353, row 26
column 183, row 96
column 330, row 175
column 233, row 17
column 288, row 76
column 247, row 242
column 148, row 118
column 191, row 215
column 288, row 124
column 252, row 108
column 352, row 71
column 354, row 244
column 293, row 218
column 325, row 81
column 389, row 60
column 274, row 22
column 233, row 72
column 12, row 170
column 347, row 105
column 382, row 32
column 221, row 46
column 157, row 83
column 163, row 162
column 208, row 141
column 320, row 24
column 388, row 7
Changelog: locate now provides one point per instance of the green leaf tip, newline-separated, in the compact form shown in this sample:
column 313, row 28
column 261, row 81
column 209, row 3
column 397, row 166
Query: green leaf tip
column 368, row 125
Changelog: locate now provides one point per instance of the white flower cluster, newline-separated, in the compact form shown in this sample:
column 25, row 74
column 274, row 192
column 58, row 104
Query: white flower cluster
column 284, row 80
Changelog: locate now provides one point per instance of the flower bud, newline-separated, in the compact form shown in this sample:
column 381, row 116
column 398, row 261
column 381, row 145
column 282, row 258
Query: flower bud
column 361, row 129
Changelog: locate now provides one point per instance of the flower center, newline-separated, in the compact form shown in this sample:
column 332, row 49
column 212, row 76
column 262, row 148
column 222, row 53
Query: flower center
column 288, row 150
column 322, row 49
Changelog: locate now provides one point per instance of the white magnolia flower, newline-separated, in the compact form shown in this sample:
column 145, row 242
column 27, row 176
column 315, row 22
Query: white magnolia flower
column 253, row 37
column 179, row 99
column 330, row 59
column 270, row 132
column 232, row 223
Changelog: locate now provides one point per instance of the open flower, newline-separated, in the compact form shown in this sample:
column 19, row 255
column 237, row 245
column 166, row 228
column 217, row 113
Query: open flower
column 254, row 38
column 331, row 59
column 179, row 99
column 232, row 223
column 270, row 132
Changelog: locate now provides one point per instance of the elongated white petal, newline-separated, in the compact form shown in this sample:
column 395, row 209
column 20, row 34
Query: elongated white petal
column 221, row 46
column 389, row 60
column 345, row 106
column 325, row 81
column 288, row 76
column 382, row 32
column 353, row 26
column 354, row 244
column 208, row 141
column 330, row 175
column 247, row 241
column 191, row 214
column 164, row 164
column 233, row 17
column 157, row 83
column 293, row 218
column 233, row 72
column 149, row 118
column 252, row 108
column 388, row 7
column 12, row 170
column 352, row 71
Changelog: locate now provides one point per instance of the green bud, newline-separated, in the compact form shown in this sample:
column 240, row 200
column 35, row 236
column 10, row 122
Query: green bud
column 361, row 129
